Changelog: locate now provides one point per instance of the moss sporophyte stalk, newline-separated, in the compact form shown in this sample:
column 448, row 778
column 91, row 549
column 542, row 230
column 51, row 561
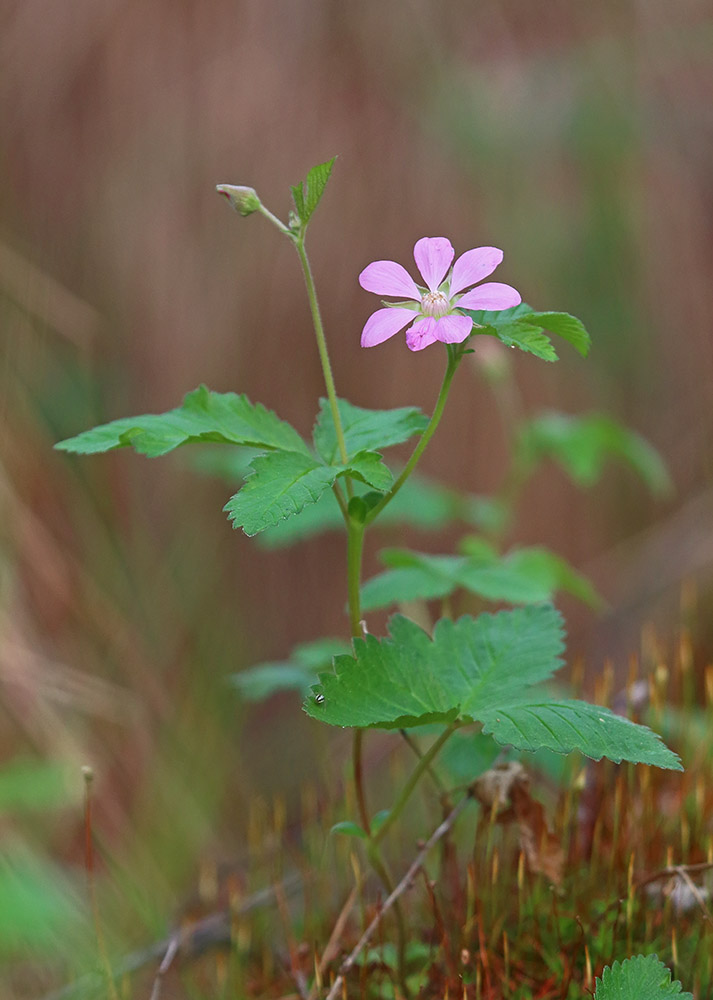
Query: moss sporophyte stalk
column 484, row 673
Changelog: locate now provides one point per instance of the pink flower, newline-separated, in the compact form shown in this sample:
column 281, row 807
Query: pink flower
column 436, row 313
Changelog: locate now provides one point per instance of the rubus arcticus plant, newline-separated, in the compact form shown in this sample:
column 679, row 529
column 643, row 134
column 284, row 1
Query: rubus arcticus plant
column 488, row 672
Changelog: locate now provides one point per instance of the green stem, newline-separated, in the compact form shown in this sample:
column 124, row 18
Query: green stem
column 322, row 348
column 455, row 354
column 355, row 548
column 422, row 766
column 276, row 222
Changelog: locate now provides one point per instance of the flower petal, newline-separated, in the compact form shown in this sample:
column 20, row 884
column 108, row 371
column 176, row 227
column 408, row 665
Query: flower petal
column 386, row 277
column 491, row 295
column 474, row 265
column 421, row 334
column 433, row 256
column 453, row 329
column 384, row 323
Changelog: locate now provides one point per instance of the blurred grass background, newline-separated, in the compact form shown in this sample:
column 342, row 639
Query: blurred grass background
column 579, row 138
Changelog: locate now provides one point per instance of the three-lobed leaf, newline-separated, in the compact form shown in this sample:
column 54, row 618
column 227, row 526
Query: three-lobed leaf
column 203, row 416
column 282, row 483
column 365, row 430
column 298, row 673
column 469, row 664
column 582, row 445
column 521, row 576
column 644, row 977
column 524, row 328
column 477, row 670
column 419, row 503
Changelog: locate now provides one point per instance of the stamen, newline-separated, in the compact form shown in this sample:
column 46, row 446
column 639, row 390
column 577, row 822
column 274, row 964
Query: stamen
column 435, row 304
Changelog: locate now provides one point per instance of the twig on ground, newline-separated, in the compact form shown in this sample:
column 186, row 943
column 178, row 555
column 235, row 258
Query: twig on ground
column 210, row 932
column 405, row 882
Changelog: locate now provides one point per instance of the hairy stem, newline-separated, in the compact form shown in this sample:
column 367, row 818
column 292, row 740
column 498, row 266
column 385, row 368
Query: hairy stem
column 455, row 353
column 322, row 348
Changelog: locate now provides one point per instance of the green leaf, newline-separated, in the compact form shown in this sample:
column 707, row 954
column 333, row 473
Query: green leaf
column 418, row 503
column 283, row 482
column 477, row 670
column 568, row 327
column 378, row 820
column 298, row 673
column 583, row 444
column 411, row 679
column 318, row 654
column 535, row 572
column 365, row 430
column 527, row 338
column 260, row 682
column 368, row 467
column 568, row 725
column 436, row 577
column 203, row 416
column 501, row 324
column 640, row 978
column 522, row 576
column 349, row 829
column 308, row 193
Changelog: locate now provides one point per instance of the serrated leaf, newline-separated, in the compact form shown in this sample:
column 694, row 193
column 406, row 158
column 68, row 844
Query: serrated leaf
column 562, row 324
column 365, row 430
column 583, row 444
column 281, row 484
column 410, row 679
column 308, row 193
column 418, row 503
column 640, row 978
column 369, row 468
column 477, row 670
column 568, row 327
column 569, row 725
column 349, row 829
column 527, row 338
column 521, row 576
column 203, row 416
column 315, row 184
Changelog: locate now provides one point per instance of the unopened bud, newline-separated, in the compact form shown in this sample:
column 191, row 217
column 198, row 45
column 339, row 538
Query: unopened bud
column 243, row 199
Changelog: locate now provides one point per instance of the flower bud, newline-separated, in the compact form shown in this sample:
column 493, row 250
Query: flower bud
column 243, row 199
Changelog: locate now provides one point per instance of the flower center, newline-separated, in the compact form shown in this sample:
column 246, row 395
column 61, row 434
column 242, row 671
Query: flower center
column 434, row 304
